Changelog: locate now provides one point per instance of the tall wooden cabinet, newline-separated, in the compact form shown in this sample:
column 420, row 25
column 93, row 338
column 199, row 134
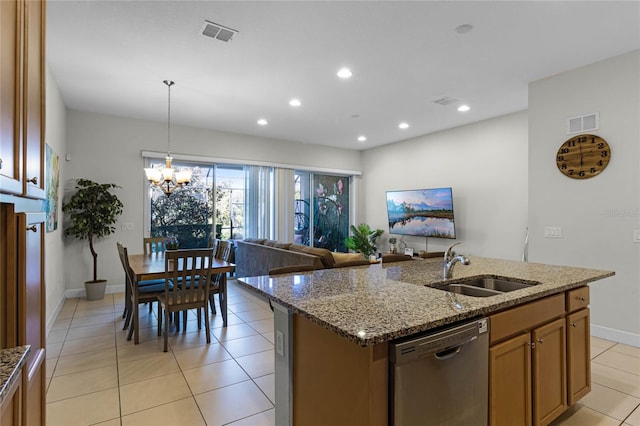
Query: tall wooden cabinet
column 22, row 126
column 22, row 104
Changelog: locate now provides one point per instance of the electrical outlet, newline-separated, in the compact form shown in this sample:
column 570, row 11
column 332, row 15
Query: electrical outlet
column 636, row 236
column 279, row 342
column 552, row 232
column 127, row 226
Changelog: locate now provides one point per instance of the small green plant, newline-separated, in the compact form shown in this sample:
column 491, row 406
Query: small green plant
column 172, row 243
column 93, row 210
column 363, row 239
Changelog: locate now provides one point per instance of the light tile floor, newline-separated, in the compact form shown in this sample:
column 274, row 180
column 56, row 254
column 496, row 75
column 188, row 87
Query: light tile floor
column 96, row 377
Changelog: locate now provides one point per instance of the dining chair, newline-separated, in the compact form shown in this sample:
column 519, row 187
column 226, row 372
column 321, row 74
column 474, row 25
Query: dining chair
column 154, row 245
column 186, row 286
column 213, row 244
column 137, row 292
column 223, row 252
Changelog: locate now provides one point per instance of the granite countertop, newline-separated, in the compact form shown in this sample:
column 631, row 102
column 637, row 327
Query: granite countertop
column 381, row 302
column 11, row 361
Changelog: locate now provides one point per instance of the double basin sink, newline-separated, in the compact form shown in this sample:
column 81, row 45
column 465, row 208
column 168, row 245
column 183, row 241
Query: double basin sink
column 484, row 287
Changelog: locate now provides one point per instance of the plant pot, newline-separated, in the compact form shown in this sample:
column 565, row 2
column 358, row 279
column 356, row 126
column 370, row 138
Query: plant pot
column 95, row 289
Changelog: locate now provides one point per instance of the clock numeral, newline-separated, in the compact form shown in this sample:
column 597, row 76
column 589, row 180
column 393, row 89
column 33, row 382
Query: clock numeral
column 560, row 157
column 570, row 171
column 582, row 139
column 571, row 143
column 604, row 153
column 564, row 151
column 592, row 170
column 581, row 173
column 600, row 163
column 600, row 145
column 564, row 166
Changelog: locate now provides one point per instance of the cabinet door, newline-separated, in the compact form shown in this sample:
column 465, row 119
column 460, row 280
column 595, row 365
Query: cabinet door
column 549, row 372
column 10, row 96
column 31, row 308
column 578, row 356
column 34, row 102
column 510, row 382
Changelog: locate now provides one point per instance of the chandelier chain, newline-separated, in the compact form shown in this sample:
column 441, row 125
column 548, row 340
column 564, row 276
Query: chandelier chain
column 169, row 83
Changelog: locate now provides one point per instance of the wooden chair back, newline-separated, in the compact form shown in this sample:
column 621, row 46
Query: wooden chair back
column 223, row 251
column 191, row 269
column 154, row 245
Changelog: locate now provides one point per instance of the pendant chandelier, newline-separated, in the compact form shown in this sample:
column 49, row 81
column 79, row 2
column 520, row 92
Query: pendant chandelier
column 166, row 178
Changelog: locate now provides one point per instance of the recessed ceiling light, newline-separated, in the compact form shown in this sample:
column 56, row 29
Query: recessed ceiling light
column 263, row 122
column 295, row 102
column 362, row 138
column 344, row 73
column 463, row 29
column 403, row 125
column 464, row 108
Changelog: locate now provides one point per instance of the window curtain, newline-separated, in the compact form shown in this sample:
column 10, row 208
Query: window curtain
column 285, row 204
column 259, row 216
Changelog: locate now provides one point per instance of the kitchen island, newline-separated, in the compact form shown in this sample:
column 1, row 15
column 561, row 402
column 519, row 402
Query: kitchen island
column 342, row 321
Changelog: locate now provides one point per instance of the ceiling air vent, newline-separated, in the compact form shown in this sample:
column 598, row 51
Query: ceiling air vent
column 583, row 123
column 445, row 101
column 217, row 31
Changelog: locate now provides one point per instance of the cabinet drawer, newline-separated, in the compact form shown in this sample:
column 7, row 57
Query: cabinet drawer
column 577, row 299
column 523, row 318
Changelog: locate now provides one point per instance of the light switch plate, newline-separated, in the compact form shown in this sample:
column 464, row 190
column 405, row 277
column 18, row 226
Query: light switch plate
column 552, row 232
column 126, row 226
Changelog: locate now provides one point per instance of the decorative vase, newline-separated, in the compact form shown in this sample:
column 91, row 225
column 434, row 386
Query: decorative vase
column 95, row 289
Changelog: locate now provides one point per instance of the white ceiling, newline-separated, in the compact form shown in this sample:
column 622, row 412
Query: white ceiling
column 111, row 57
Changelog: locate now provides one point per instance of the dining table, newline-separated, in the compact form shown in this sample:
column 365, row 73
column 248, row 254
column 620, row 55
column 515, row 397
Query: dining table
column 151, row 267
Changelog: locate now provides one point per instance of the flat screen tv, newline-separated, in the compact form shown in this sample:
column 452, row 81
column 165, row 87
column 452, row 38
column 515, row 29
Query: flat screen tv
column 421, row 212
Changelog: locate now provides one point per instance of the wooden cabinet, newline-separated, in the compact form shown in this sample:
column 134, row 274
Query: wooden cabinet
column 22, row 104
column 11, row 407
column 578, row 355
column 510, row 382
column 10, row 100
column 31, row 313
column 539, row 360
column 549, row 372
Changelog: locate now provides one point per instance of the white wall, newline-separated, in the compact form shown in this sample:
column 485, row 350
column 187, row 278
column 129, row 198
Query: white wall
column 55, row 136
column 107, row 149
column 485, row 163
column 597, row 215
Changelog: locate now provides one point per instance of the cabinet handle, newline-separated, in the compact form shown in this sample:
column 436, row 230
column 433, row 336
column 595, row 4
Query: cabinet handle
column 540, row 341
column 532, row 344
column 33, row 180
column 573, row 324
column 33, row 228
column 581, row 298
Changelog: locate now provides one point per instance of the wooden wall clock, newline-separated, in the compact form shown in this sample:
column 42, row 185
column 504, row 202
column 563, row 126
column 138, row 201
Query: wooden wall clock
column 583, row 156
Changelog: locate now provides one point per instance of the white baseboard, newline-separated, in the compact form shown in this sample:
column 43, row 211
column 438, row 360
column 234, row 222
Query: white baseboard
column 614, row 335
column 80, row 292
column 54, row 315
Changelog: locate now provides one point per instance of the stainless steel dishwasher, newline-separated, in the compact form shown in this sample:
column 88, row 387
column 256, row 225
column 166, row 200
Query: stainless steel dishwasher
column 441, row 378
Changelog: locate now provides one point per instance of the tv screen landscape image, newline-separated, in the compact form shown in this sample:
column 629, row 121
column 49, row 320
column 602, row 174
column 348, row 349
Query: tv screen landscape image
column 421, row 212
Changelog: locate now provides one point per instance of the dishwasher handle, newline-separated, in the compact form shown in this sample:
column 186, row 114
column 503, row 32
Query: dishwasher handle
column 453, row 351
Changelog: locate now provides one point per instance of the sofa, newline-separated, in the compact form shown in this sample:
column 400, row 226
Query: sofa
column 255, row 257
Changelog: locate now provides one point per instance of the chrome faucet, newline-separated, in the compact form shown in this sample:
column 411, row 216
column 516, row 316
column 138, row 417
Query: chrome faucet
column 450, row 259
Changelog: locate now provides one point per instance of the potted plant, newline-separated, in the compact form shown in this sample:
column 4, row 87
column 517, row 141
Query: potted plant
column 363, row 239
column 392, row 245
column 93, row 210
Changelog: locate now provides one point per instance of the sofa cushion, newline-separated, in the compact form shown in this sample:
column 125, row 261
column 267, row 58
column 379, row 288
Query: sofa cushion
column 339, row 257
column 277, row 244
column 323, row 254
column 255, row 240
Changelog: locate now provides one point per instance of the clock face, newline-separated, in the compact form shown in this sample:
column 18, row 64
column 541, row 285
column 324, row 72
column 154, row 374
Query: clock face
column 583, row 156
